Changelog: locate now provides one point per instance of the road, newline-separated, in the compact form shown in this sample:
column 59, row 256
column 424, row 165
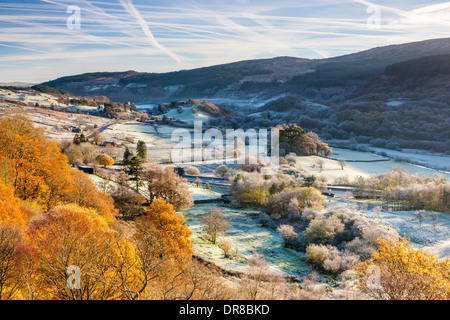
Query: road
column 102, row 128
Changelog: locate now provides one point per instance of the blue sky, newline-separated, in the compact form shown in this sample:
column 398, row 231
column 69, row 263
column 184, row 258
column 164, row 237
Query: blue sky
column 158, row 36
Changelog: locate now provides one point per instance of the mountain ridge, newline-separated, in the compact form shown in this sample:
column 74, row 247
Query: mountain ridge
column 250, row 79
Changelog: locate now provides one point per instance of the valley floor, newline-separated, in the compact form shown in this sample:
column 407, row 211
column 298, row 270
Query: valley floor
column 248, row 235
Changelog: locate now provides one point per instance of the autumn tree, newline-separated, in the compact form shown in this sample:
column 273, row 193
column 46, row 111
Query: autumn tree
column 13, row 219
column 84, row 193
column 215, row 224
column 400, row 272
column 74, row 154
column 11, row 211
column 163, row 245
column 11, row 238
column 164, row 183
column 37, row 171
column 71, row 237
column 31, row 164
column 104, row 160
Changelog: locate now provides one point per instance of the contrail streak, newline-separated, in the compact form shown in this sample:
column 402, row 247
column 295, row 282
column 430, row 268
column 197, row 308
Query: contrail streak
column 135, row 13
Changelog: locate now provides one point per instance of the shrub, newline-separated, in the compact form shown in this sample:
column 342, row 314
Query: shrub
column 74, row 155
column 316, row 254
column 293, row 209
column 324, row 229
column 291, row 159
column 281, row 203
column 223, row 171
column 366, row 243
column 250, row 188
column 328, row 258
column 193, row 171
column 309, row 214
column 198, row 183
column 287, row 233
column 338, row 261
column 311, row 288
column 226, row 245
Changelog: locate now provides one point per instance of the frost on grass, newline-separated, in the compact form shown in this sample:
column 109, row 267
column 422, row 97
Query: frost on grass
column 247, row 236
column 432, row 235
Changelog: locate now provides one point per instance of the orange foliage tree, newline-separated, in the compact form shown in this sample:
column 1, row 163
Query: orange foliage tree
column 11, row 256
column 152, row 259
column 37, row 170
column 84, row 193
column 73, row 237
column 13, row 220
column 104, row 160
column 11, row 211
column 163, row 246
column 400, row 272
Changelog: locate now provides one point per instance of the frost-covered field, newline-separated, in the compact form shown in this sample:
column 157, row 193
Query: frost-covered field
column 433, row 235
column 187, row 115
column 81, row 108
column 381, row 167
column 159, row 144
column 55, row 122
column 348, row 154
column 203, row 193
column 331, row 169
column 429, row 160
column 247, row 236
column 40, row 98
column 157, row 139
column 377, row 168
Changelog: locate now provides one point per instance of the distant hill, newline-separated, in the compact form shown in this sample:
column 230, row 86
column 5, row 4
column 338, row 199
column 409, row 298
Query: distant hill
column 428, row 66
column 427, row 76
column 201, row 82
column 399, row 52
column 17, row 84
column 257, row 79
column 355, row 69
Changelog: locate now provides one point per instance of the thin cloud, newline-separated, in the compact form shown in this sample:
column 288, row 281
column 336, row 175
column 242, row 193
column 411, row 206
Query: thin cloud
column 131, row 9
column 19, row 47
column 201, row 32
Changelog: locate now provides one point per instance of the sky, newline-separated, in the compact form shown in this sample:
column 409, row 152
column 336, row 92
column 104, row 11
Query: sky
column 41, row 40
